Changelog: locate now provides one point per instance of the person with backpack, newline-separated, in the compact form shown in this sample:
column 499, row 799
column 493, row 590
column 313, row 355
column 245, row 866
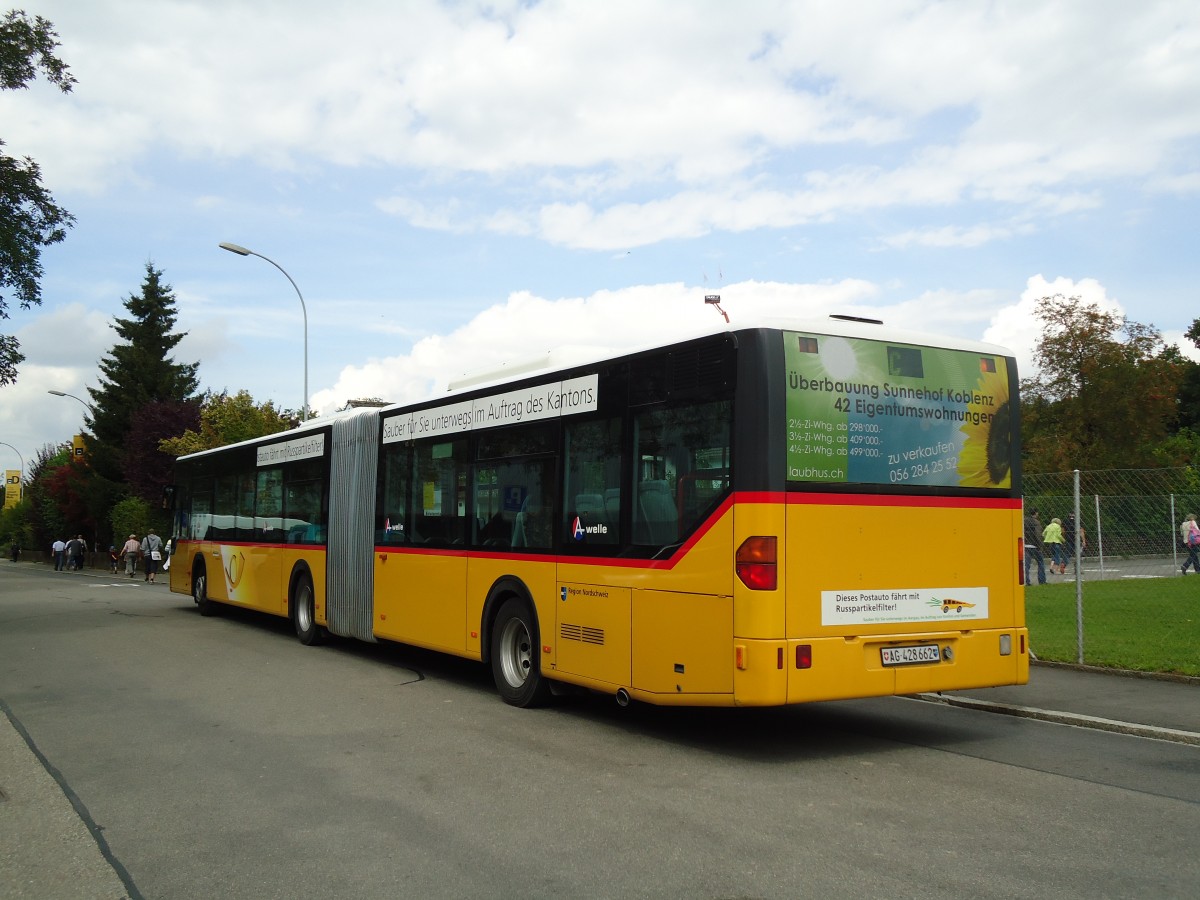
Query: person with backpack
column 1189, row 533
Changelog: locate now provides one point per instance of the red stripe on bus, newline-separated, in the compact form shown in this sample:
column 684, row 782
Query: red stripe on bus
column 894, row 500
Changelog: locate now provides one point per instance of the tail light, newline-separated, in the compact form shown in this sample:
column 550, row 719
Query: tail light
column 755, row 562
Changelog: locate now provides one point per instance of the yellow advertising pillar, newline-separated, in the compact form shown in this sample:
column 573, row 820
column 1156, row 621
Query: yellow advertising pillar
column 12, row 488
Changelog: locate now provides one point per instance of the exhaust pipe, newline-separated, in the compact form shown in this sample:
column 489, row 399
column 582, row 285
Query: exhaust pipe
column 622, row 698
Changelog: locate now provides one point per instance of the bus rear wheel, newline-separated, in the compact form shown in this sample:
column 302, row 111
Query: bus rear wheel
column 304, row 616
column 515, row 663
column 206, row 606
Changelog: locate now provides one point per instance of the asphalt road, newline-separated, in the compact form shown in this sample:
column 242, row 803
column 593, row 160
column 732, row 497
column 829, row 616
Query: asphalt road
column 153, row 753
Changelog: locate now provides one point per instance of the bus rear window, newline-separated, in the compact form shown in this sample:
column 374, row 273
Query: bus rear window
column 881, row 413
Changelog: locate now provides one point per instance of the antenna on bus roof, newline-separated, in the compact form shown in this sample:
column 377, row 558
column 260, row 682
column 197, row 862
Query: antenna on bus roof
column 856, row 319
column 715, row 300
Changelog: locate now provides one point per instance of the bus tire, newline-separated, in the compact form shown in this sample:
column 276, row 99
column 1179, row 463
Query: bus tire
column 200, row 596
column 304, row 618
column 516, row 667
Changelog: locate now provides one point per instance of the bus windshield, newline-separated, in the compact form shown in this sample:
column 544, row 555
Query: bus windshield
column 883, row 413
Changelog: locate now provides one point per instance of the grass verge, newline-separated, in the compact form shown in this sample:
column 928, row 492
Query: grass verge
column 1147, row 625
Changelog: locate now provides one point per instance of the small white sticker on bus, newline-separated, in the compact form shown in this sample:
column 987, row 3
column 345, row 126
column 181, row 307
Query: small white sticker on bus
column 945, row 604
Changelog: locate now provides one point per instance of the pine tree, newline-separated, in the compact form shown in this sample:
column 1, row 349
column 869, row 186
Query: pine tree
column 137, row 372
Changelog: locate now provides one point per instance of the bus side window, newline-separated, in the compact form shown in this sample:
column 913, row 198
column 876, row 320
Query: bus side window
column 656, row 519
column 440, row 492
column 681, row 459
column 268, row 506
column 391, row 518
column 592, row 483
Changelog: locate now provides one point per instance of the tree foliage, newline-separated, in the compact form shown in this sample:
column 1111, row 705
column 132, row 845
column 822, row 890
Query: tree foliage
column 228, row 420
column 67, row 488
column 1189, row 388
column 133, row 515
column 46, row 519
column 147, row 468
column 136, row 373
column 29, row 217
column 1105, row 394
column 15, row 527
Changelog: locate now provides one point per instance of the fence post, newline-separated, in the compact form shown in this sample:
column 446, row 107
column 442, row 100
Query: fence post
column 1078, row 580
column 1174, row 543
column 1099, row 537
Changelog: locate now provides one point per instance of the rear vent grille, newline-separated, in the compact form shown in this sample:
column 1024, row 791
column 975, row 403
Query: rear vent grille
column 582, row 633
column 704, row 368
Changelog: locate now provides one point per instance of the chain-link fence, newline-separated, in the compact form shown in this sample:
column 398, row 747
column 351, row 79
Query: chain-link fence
column 1134, row 606
column 1130, row 518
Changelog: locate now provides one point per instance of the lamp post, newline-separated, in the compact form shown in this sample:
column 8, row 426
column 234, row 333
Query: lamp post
column 86, row 405
column 242, row 251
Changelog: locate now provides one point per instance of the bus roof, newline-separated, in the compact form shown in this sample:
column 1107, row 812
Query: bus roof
column 570, row 358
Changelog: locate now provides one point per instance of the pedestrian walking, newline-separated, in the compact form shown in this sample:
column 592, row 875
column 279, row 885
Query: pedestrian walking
column 1033, row 546
column 1052, row 537
column 1069, row 531
column 152, row 548
column 59, row 549
column 130, row 551
column 1189, row 533
column 75, row 551
column 113, row 558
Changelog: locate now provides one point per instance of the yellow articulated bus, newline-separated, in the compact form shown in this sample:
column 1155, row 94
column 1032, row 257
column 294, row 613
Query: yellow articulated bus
column 763, row 516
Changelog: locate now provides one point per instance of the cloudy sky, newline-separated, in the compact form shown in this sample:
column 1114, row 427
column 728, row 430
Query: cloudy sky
column 458, row 185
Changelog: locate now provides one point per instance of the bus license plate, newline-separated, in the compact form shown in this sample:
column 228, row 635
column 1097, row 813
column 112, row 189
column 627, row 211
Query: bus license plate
column 905, row 656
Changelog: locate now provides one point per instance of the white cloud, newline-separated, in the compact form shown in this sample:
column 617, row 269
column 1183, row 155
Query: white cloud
column 583, row 327
column 1018, row 328
column 1038, row 101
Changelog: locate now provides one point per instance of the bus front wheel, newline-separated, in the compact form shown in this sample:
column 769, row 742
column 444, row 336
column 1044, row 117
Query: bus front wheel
column 200, row 593
column 515, row 664
column 304, row 614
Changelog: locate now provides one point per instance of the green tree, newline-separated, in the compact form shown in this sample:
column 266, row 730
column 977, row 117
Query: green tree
column 1105, row 392
column 47, row 519
column 137, row 372
column 133, row 515
column 15, row 527
column 228, row 420
column 1189, row 388
column 29, row 217
column 148, row 468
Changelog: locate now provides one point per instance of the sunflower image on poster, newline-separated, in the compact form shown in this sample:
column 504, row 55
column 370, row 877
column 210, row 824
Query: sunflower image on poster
column 865, row 411
column 984, row 460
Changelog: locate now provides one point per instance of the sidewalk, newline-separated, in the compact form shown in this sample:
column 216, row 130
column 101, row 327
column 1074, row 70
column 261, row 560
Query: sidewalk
column 1166, row 707
column 48, row 845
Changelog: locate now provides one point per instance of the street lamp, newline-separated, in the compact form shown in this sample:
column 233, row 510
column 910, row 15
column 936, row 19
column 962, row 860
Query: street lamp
column 86, row 405
column 242, row 251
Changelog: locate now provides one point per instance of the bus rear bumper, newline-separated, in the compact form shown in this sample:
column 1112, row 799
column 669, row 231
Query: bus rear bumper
column 848, row 667
column 775, row 673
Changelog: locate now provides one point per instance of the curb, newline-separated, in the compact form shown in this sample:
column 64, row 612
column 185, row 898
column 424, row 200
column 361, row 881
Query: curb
column 1062, row 718
column 1123, row 673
